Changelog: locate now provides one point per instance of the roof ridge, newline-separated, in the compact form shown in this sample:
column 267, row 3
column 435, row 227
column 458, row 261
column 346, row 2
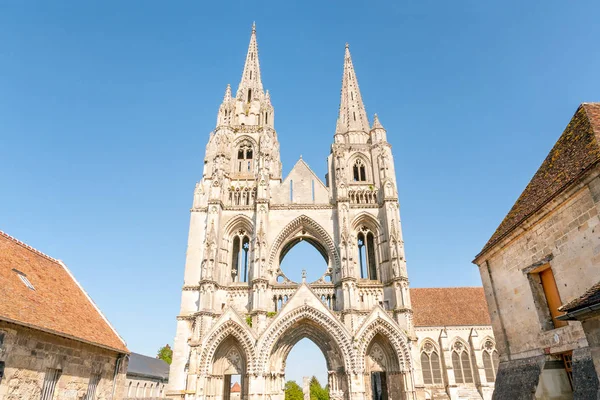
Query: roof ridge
column 93, row 304
column 28, row 247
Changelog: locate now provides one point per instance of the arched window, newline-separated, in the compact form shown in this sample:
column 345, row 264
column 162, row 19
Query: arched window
column 137, row 390
column 366, row 254
column 359, row 171
column 245, row 158
column 461, row 364
column 430, row 365
column 490, row 360
column 240, row 257
column 129, row 389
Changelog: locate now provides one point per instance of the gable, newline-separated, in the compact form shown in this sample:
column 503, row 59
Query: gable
column 301, row 186
column 57, row 305
column 575, row 152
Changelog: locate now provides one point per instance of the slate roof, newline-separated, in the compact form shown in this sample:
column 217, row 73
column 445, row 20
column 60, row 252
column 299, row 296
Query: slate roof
column 458, row 306
column 589, row 298
column 58, row 305
column 144, row 366
column 576, row 151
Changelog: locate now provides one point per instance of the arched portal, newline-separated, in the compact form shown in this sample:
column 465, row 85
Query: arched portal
column 385, row 358
column 229, row 365
column 328, row 334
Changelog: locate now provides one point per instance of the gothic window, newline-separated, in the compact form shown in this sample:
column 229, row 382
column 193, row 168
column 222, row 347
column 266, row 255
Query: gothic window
column 245, row 158
column 461, row 364
column 430, row 365
column 366, row 254
column 490, row 360
column 240, row 257
column 249, row 95
column 359, row 170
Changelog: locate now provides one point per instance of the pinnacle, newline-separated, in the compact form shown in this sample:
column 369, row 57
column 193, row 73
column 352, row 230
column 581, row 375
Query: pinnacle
column 376, row 123
column 352, row 115
column 251, row 83
column 227, row 96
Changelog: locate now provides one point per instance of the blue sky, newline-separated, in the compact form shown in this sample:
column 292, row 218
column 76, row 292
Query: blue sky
column 106, row 107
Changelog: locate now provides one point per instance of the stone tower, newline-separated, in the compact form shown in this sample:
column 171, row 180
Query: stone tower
column 240, row 314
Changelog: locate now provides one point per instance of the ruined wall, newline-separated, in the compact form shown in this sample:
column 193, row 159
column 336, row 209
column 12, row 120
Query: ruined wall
column 27, row 353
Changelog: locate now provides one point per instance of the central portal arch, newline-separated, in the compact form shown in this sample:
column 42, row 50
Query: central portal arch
column 326, row 332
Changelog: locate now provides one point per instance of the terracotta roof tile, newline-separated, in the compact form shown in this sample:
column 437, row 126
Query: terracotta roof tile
column 589, row 298
column 57, row 305
column 458, row 306
column 236, row 388
column 577, row 150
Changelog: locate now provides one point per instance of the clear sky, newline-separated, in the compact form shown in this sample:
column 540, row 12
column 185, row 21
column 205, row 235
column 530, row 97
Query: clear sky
column 106, row 107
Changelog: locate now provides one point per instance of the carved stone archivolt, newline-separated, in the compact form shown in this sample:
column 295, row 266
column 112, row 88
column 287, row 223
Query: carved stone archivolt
column 299, row 223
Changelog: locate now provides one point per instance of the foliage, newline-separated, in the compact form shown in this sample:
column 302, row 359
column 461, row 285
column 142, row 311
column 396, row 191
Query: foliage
column 316, row 391
column 249, row 320
column 271, row 314
column 293, row 391
column 165, row 353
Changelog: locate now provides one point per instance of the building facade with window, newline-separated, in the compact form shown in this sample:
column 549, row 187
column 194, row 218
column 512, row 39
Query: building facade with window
column 543, row 254
column 146, row 378
column 241, row 314
column 455, row 351
column 55, row 344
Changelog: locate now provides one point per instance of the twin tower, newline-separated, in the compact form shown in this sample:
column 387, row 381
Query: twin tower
column 240, row 314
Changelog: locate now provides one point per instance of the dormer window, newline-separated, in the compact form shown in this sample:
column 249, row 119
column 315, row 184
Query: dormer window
column 359, row 171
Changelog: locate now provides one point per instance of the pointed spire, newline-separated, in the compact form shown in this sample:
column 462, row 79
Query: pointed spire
column 268, row 98
column 352, row 115
column 251, row 81
column 227, row 96
column 376, row 123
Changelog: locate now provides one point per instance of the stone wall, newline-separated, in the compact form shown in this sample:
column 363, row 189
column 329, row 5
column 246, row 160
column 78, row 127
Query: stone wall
column 442, row 339
column 144, row 388
column 27, row 353
column 566, row 235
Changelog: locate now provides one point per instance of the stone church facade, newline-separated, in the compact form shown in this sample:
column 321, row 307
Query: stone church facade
column 240, row 314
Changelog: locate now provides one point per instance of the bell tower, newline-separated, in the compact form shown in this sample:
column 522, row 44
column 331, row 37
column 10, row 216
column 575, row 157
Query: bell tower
column 363, row 182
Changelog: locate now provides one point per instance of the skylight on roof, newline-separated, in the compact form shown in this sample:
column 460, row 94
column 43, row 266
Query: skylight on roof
column 24, row 279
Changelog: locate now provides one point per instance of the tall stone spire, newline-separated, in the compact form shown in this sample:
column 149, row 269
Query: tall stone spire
column 352, row 116
column 251, row 85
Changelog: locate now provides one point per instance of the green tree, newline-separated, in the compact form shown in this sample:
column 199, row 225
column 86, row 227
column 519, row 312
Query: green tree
column 293, row 391
column 317, row 392
column 165, row 353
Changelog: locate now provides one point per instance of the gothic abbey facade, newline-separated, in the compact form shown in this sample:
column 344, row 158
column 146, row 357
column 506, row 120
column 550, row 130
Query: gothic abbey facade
column 240, row 314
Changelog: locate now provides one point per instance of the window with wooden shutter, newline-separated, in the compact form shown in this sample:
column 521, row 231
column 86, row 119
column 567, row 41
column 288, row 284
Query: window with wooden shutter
column 552, row 296
column 545, row 293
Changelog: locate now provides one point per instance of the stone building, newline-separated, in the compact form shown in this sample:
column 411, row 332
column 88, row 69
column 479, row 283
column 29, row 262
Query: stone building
column 241, row 315
column 55, row 344
column 586, row 309
column 455, row 351
column 146, row 377
column 546, row 252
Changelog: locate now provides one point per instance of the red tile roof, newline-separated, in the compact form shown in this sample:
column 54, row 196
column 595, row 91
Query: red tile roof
column 58, row 304
column 575, row 152
column 236, row 388
column 458, row 306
